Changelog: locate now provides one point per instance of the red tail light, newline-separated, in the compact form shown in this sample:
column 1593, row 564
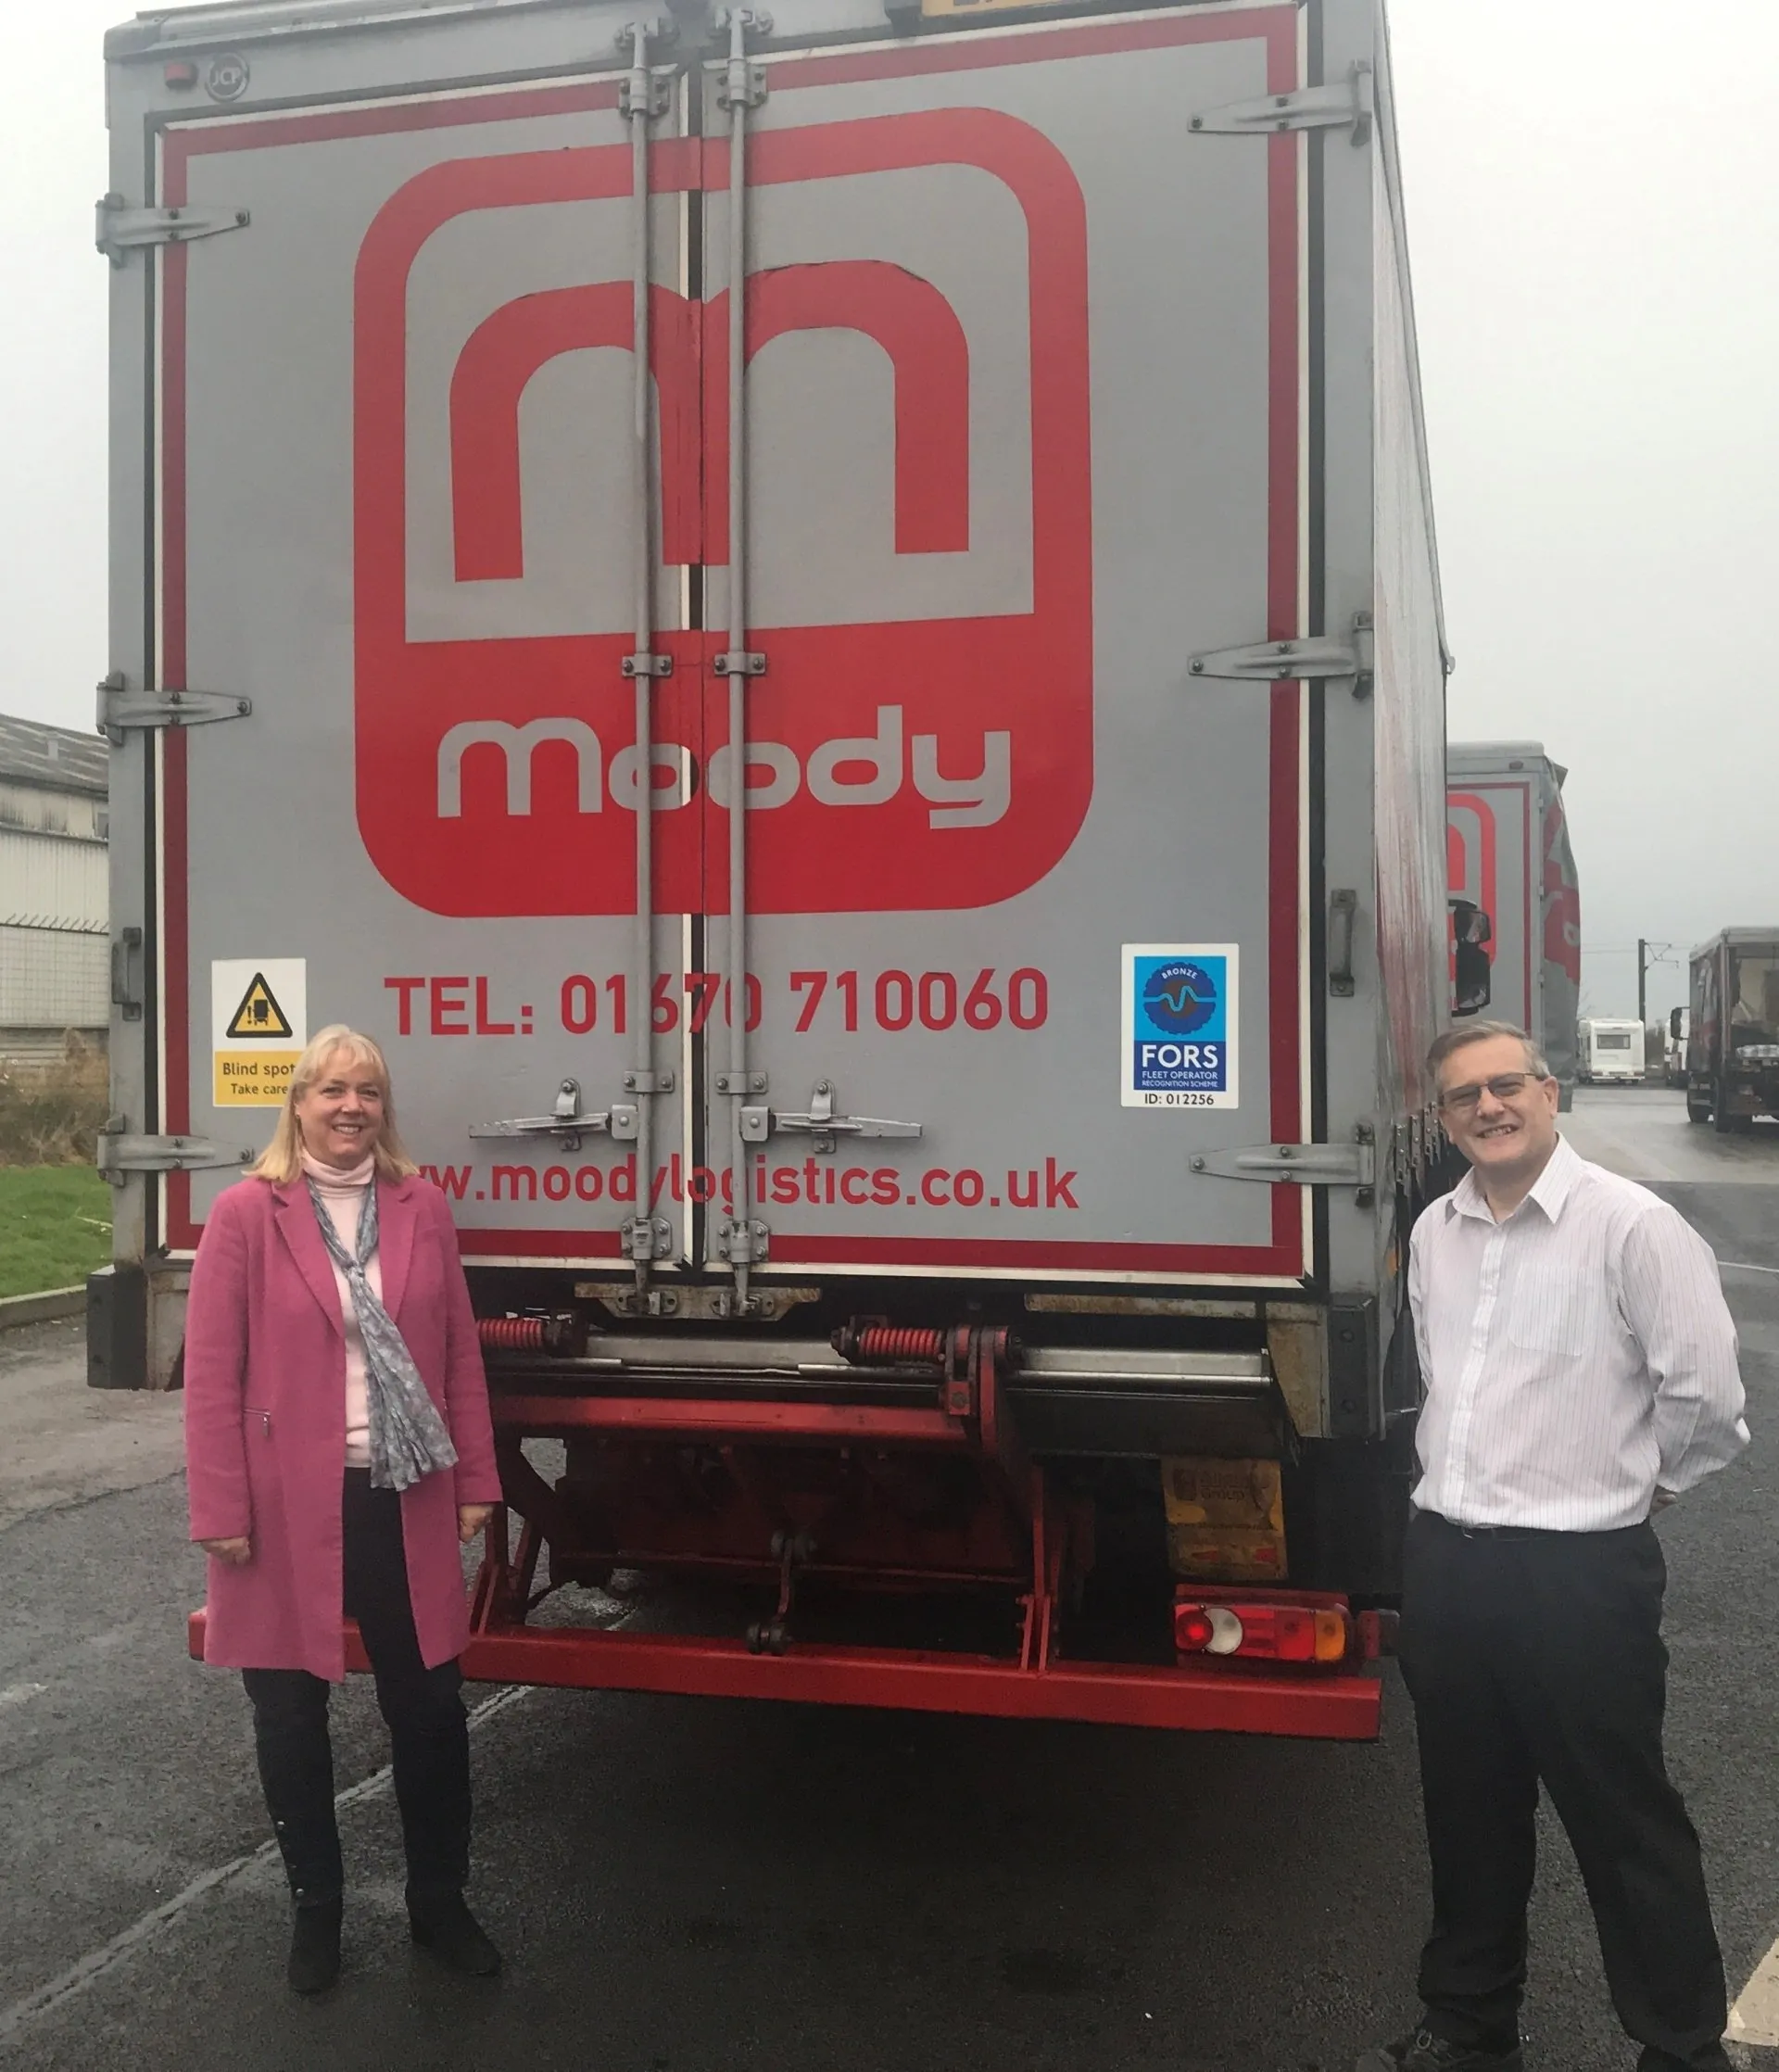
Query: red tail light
column 1193, row 1629
column 1305, row 1627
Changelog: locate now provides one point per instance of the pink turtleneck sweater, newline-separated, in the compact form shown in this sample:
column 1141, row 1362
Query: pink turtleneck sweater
column 341, row 1194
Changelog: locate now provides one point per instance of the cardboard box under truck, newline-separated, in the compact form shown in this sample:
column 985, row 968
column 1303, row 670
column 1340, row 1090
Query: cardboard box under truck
column 830, row 629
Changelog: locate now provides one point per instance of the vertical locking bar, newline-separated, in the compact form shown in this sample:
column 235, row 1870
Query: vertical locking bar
column 740, row 1235
column 638, row 1232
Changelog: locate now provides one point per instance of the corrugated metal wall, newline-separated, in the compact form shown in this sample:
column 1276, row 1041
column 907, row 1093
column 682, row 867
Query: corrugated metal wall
column 48, row 881
column 81, row 815
column 54, row 906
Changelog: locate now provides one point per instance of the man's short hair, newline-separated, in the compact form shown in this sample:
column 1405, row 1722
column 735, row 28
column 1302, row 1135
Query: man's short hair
column 1479, row 1032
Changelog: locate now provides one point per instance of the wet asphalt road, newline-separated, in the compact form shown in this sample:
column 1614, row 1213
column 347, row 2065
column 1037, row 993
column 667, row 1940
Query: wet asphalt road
column 683, row 1884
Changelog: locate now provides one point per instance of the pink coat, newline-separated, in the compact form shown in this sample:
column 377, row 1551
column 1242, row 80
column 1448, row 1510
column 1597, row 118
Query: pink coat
column 265, row 1421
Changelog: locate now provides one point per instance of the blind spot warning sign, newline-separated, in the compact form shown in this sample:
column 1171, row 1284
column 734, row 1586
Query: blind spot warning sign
column 259, row 1017
column 258, row 1027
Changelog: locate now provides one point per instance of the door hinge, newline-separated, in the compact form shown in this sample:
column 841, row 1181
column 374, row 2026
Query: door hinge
column 733, row 1084
column 565, row 1120
column 122, row 708
column 653, row 104
column 1276, row 660
column 743, row 1244
column 821, row 1121
column 646, row 1239
column 739, row 663
column 1345, row 104
column 647, row 1083
column 119, row 229
column 118, row 1154
column 1310, row 1165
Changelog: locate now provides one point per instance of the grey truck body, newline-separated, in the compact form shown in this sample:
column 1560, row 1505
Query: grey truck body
column 1094, row 883
column 1510, row 859
column 1732, row 1071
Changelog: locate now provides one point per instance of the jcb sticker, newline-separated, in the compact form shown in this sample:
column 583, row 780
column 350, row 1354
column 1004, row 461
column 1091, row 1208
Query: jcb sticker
column 1178, row 1033
column 258, row 1025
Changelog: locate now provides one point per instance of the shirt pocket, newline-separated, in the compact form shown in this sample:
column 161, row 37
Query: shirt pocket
column 1549, row 1312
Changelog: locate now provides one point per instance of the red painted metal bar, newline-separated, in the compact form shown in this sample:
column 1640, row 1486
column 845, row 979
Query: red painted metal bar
column 1338, row 1706
column 1335, row 1707
column 688, row 1419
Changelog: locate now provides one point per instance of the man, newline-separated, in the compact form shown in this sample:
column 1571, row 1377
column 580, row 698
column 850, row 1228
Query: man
column 1581, row 1373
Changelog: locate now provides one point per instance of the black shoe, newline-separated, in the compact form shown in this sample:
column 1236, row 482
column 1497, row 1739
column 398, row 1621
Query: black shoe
column 442, row 1923
column 1422, row 2052
column 315, row 1947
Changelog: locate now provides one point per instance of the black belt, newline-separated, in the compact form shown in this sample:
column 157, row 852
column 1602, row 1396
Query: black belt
column 1522, row 1532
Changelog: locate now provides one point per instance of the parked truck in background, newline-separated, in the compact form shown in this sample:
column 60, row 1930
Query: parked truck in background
column 1514, row 900
column 1733, row 1029
column 952, row 1208
column 1609, row 1051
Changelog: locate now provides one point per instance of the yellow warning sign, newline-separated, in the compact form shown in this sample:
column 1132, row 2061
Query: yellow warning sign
column 253, row 1079
column 258, row 1025
column 259, row 1016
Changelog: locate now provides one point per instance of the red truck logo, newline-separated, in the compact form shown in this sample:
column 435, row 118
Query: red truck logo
column 895, row 763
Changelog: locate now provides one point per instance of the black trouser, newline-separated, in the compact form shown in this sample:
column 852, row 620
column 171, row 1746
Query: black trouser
column 1537, row 1656
column 428, row 1734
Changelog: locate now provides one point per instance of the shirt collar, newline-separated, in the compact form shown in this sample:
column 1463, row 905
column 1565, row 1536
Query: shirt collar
column 1550, row 1190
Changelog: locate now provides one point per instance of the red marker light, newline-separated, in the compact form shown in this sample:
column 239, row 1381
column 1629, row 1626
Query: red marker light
column 1193, row 1628
column 179, row 72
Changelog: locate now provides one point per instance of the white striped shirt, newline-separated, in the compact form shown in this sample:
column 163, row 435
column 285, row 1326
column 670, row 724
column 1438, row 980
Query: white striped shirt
column 1577, row 1355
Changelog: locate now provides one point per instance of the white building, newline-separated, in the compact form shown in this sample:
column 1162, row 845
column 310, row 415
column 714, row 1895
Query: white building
column 55, row 903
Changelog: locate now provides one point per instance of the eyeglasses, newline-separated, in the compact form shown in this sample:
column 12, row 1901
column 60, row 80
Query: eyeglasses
column 1505, row 1086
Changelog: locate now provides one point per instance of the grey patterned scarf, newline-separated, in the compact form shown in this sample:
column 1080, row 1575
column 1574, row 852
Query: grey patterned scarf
column 407, row 1436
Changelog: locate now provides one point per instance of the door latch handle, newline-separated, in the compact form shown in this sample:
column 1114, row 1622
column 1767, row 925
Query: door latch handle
column 128, row 1000
column 823, row 1124
column 1343, row 918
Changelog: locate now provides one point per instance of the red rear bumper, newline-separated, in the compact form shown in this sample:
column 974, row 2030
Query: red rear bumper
column 1340, row 1707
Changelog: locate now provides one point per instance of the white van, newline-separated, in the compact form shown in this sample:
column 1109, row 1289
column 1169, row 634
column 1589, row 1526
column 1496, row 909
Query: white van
column 1609, row 1051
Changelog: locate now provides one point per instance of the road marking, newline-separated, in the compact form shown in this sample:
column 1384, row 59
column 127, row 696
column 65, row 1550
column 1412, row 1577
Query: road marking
column 1741, row 1266
column 18, row 1694
column 87, row 1970
column 1754, row 2018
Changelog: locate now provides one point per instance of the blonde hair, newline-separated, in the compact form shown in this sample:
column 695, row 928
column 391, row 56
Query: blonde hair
column 283, row 1157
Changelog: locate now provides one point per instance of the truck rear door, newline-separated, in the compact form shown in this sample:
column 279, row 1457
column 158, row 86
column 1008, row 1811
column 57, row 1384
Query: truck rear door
column 1490, row 824
column 396, row 515
column 1023, row 411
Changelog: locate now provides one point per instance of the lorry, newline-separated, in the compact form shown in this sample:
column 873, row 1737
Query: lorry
column 1733, row 1029
column 829, row 627
column 1609, row 1052
column 1514, row 899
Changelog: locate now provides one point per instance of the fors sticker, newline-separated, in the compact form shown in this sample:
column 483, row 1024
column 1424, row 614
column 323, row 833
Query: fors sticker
column 1179, row 1025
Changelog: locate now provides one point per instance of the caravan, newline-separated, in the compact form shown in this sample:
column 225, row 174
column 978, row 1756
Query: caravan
column 1610, row 1053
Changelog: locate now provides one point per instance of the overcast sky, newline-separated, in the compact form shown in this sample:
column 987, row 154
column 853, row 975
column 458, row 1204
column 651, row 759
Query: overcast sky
column 1594, row 208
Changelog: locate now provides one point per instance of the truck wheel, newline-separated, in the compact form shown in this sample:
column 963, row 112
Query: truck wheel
column 1722, row 1121
column 1698, row 1110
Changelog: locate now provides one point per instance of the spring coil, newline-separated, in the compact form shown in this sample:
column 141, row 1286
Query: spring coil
column 893, row 1345
column 512, row 1334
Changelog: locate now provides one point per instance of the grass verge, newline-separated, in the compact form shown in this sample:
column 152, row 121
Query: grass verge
column 55, row 1227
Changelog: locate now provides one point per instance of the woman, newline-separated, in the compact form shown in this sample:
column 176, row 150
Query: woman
column 339, row 1450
